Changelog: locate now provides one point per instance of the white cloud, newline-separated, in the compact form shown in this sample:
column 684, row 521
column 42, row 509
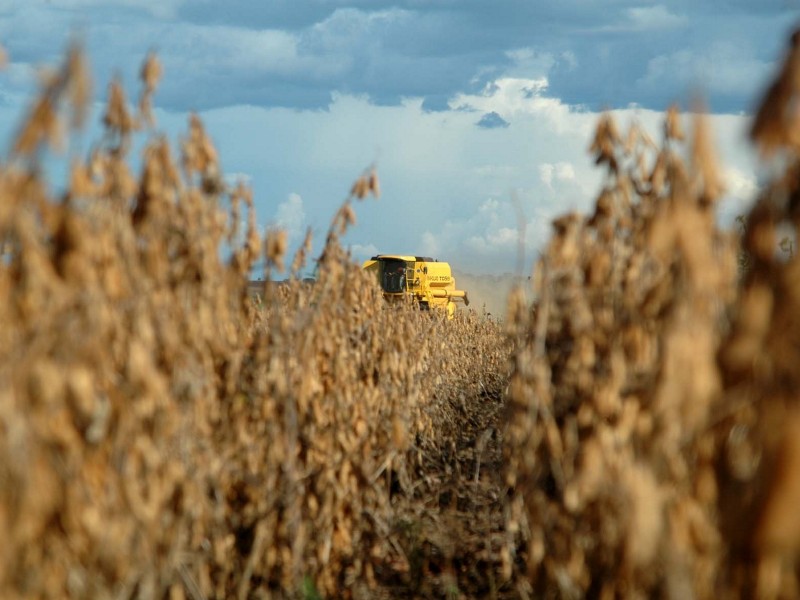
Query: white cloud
column 546, row 174
column 514, row 98
column 562, row 171
column 362, row 252
column 236, row 178
column 346, row 29
column 565, row 171
column 506, row 96
column 161, row 9
column 500, row 239
column 638, row 19
column 494, row 171
column 569, row 59
column 530, row 63
column 486, row 239
column 723, row 69
column 740, row 190
column 269, row 52
column 480, row 241
column 739, row 184
column 450, row 190
column 429, row 243
column 291, row 216
column 659, row 18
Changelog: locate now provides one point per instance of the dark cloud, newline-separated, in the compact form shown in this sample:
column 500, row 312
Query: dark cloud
column 492, row 121
column 281, row 14
column 296, row 54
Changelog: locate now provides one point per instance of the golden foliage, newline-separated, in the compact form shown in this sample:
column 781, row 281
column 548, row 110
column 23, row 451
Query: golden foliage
column 651, row 439
column 163, row 434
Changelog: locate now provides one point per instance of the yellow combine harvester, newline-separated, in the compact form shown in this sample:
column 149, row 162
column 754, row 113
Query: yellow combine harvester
column 423, row 280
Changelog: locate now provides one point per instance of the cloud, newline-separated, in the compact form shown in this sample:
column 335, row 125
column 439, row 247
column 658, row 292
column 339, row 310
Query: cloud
column 298, row 55
column 534, row 63
column 565, row 171
column 492, row 121
column 449, row 190
column 546, row 174
column 723, row 71
column 291, row 217
column 562, row 171
column 305, row 96
column 658, row 17
column 510, row 96
column 233, row 179
column 159, row 9
column 739, row 184
column 484, row 241
column 362, row 252
column 741, row 188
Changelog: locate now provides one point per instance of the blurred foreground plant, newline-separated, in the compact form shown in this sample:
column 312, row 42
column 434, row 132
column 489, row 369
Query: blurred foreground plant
column 162, row 435
column 651, row 439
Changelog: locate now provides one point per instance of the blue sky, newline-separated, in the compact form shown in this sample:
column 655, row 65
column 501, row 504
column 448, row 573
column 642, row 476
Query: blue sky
column 469, row 109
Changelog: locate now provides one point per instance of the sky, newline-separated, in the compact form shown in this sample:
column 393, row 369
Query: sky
column 476, row 114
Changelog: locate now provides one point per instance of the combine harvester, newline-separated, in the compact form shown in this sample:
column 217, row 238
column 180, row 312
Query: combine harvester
column 424, row 281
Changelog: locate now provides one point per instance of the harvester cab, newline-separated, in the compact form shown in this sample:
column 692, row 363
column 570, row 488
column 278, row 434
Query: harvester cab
column 424, row 281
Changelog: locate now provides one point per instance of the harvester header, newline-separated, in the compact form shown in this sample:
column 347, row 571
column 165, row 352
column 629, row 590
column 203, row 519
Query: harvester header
column 421, row 279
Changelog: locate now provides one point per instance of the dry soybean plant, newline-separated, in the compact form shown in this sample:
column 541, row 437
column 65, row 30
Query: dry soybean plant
column 161, row 434
column 652, row 421
column 759, row 457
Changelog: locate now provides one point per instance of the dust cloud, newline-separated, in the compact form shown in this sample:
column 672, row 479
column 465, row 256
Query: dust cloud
column 489, row 293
